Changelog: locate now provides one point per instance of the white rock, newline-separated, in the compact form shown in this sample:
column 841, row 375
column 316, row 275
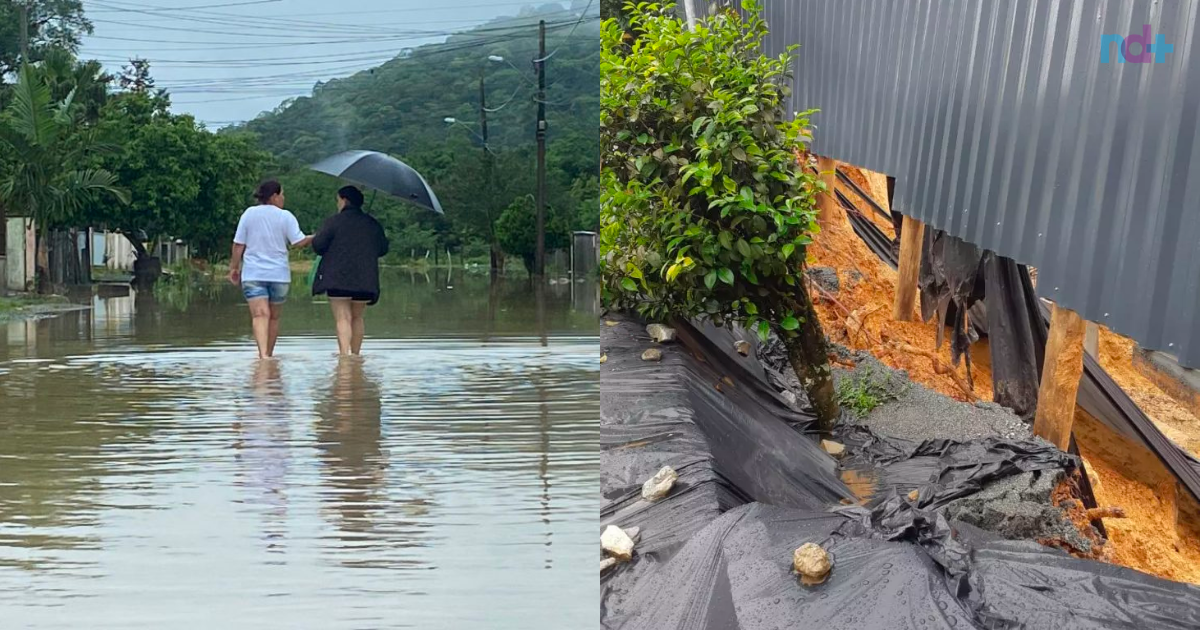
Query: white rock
column 653, row 354
column 812, row 563
column 743, row 348
column 660, row 484
column 837, row 449
column 617, row 543
column 607, row 564
column 660, row 333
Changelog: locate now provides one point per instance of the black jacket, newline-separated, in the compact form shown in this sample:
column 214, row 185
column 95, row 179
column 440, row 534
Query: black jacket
column 350, row 244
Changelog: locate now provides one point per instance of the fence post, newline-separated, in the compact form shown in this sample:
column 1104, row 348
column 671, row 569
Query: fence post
column 911, row 236
column 1061, row 370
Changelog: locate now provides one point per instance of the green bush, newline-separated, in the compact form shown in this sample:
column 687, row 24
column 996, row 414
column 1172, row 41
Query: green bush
column 704, row 210
column 862, row 392
column 517, row 230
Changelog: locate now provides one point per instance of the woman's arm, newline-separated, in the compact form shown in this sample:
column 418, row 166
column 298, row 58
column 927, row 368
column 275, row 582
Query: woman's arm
column 324, row 236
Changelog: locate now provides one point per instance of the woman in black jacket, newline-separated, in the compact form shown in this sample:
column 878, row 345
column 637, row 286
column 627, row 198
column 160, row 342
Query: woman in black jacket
column 350, row 244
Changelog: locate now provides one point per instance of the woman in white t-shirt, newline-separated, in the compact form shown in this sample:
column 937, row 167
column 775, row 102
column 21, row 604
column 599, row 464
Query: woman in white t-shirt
column 260, row 261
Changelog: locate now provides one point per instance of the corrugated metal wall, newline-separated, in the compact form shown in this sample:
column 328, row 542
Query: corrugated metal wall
column 1003, row 128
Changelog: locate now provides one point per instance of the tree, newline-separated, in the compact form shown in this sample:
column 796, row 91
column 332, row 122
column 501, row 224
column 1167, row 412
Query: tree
column 47, row 175
column 53, row 24
column 517, row 230
column 704, row 211
column 135, row 77
column 188, row 183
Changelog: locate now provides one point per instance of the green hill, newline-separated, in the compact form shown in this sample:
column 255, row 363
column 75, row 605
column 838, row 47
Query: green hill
column 400, row 108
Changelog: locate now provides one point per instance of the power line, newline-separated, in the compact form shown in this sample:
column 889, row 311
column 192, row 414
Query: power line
column 205, row 6
column 210, row 45
column 581, row 18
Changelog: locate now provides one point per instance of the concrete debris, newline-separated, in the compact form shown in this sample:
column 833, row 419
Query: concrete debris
column 607, row 564
column 603, row 359
column 836, row 449
column 660, row 333
column 812, row 563
column 914, row 495
column 653, row 354
column 743, row 348
column 660, row 484
column 617, row 543
column 610, row 323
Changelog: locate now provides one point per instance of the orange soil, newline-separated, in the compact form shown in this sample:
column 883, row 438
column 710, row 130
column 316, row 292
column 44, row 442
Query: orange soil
column 869, row 301
column 1128, row 476
column 1171, row 417
column 1123, row 474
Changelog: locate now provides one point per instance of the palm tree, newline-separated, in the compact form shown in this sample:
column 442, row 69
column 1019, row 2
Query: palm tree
column 47, row 176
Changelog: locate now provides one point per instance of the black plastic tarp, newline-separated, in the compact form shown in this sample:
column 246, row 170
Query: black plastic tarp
column 715, row 553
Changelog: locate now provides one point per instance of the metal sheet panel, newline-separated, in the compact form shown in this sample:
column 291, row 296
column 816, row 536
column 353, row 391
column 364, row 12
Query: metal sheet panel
column 1003, row 127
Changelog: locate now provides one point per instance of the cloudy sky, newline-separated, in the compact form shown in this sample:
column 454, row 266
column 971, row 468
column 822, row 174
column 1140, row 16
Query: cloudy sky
column 225, row 61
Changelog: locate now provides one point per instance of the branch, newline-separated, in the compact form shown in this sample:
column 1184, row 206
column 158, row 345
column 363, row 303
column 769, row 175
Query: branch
column 938, row 367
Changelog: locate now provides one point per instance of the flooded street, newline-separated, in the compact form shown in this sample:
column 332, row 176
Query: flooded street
column 153, row 474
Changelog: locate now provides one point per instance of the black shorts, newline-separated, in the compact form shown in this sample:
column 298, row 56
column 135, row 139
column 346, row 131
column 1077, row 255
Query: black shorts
column 353, row 295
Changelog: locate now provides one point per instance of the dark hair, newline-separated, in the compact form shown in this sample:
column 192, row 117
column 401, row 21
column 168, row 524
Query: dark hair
column 268, row 189
column 352, row 195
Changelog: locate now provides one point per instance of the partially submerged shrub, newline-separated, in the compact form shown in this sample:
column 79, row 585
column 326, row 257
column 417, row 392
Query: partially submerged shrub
column 704, row 211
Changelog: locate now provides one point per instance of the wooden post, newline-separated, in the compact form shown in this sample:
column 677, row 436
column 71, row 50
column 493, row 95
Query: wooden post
column 827, row 205
column 911, row 235
column 1091, row 340
column 1060, row 378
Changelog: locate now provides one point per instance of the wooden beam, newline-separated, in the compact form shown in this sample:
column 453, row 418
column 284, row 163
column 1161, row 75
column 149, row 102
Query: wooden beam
column 1060, row 378
column 827, row 205
column 911, row 235
column 1091, row 340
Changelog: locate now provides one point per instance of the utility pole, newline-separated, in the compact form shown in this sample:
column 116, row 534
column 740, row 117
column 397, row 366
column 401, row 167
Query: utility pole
column 540, row 266
column 494, row 254
column 24, row 32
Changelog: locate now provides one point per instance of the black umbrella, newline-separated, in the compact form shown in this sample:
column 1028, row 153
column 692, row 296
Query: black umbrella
column 381, row 172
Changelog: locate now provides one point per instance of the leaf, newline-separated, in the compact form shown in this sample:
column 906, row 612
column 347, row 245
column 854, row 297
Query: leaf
column 751, row 308
column 789, row 323
column 710, row 279
column 764, row 331
column 726, row 239
column 726, row 275
column 787, row 250
column 744, row 248
column 739, row 154
column 629, row 285
column 673, row 272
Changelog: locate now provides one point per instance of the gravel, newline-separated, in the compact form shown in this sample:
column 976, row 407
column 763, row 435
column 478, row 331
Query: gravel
column 919, row 413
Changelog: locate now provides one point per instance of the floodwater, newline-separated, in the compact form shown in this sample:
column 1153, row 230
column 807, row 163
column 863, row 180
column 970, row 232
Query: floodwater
column 154, row 474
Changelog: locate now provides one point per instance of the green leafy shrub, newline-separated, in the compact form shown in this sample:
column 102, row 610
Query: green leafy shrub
column 704, row 210
column 862, row 392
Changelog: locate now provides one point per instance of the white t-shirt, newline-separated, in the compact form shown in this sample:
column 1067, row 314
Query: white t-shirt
column 266, row 232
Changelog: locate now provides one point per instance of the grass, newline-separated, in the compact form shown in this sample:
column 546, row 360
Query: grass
column 17, row 306
column 863, row 391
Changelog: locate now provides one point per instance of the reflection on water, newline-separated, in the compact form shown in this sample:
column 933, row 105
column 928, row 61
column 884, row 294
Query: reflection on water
column 153, row 474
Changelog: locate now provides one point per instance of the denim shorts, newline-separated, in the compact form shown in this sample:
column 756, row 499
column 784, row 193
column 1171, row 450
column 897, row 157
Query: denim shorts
column 276, row 292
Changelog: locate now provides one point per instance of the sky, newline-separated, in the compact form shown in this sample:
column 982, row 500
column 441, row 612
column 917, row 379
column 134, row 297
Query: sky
column 226, row 61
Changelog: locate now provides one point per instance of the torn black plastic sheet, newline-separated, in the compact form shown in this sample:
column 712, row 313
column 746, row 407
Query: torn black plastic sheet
column 713, row 554
column 896, row 568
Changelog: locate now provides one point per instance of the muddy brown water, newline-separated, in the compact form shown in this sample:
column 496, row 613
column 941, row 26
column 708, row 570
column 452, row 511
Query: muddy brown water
column 153, row 474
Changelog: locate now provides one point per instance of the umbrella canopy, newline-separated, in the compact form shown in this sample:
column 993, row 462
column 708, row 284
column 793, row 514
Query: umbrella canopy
column 381, row 172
